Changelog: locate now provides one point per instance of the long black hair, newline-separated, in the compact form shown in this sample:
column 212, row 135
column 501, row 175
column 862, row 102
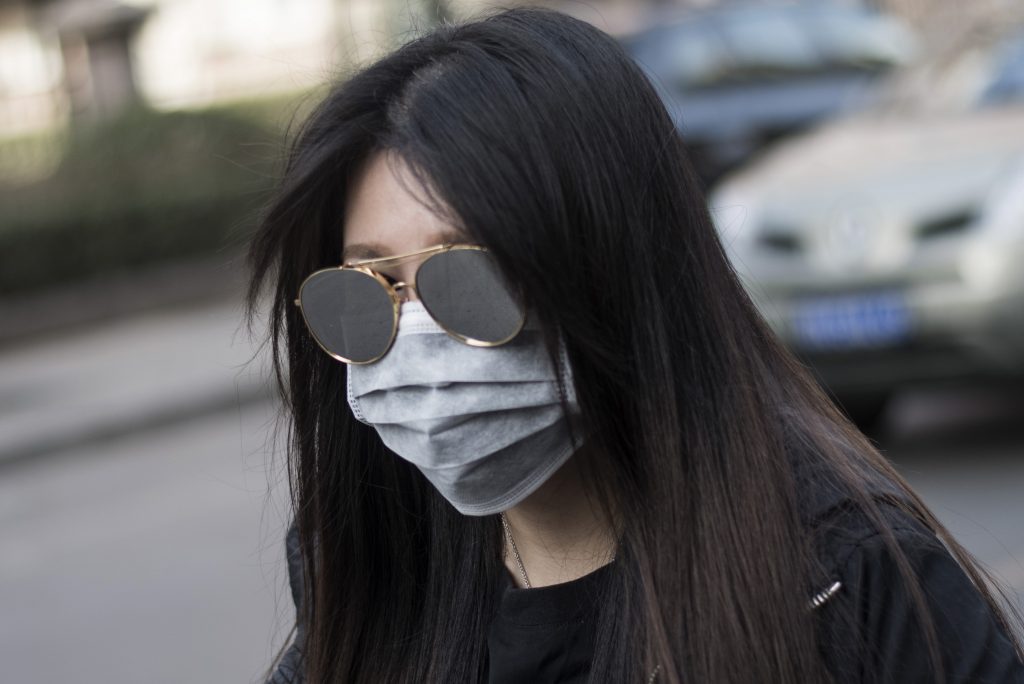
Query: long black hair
column 546, row 143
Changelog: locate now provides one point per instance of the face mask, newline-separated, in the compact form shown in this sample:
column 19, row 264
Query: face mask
column 483, row 424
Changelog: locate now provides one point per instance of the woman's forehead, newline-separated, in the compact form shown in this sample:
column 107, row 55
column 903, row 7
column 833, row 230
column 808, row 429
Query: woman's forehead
column 386, row 214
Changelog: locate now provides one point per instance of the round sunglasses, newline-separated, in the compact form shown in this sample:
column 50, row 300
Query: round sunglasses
column 352, row 310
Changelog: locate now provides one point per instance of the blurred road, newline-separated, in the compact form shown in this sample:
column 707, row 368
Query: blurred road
column 963, row 451
column 156, row 554
column 140, row 540
column 155, row 557
column 151, row 368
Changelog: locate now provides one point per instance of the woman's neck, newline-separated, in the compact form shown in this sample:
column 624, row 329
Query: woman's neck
column 560, row 533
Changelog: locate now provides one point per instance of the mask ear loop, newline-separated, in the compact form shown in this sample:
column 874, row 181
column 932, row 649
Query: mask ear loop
column 567, row 394
column 352, row 403
column 566, row 385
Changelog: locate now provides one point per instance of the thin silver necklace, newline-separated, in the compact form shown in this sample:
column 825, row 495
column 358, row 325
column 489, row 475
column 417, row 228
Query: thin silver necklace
column 515, row 551
column 526, row 578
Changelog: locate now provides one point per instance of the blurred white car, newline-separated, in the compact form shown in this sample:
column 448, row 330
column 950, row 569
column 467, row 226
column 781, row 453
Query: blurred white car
column 887, row 248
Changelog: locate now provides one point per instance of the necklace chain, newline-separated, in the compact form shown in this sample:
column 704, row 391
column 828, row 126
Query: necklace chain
column 515, row 551
column 526, row 578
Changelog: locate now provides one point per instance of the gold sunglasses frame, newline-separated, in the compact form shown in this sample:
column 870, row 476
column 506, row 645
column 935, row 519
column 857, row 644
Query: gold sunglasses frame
column 363, row 266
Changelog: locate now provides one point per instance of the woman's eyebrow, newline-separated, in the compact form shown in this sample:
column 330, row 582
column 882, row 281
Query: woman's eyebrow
column 362, row 250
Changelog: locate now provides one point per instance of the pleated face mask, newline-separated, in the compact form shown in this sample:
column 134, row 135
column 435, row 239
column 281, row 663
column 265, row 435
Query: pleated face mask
column 483, row 424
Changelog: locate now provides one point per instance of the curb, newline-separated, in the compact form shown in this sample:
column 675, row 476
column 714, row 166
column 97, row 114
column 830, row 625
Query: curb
column 139, row 421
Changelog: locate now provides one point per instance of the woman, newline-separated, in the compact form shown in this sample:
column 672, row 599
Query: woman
column 539, row 432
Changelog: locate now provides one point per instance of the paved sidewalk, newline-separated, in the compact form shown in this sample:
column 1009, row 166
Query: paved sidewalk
column 148, row 369
column 108, row 297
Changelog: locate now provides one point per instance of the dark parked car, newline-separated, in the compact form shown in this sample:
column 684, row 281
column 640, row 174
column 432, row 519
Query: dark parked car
column 740, row 75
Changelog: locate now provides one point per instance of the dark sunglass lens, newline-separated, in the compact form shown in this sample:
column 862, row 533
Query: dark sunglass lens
column 465, row 292
column 349, row 312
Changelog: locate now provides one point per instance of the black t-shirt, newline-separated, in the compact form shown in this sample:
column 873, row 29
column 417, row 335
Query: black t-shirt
column 544, row 634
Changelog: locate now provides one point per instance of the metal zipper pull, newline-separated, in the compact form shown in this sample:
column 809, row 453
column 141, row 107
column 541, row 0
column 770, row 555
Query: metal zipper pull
column 824, row 595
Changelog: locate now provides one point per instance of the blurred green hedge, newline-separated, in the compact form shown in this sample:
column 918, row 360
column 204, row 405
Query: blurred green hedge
column 145, row 187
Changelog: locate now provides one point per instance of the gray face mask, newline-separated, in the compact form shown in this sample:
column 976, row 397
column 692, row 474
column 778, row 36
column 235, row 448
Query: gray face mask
column 483, row 424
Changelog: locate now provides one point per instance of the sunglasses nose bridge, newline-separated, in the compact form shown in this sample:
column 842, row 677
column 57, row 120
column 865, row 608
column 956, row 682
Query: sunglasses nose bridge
column 405, row 291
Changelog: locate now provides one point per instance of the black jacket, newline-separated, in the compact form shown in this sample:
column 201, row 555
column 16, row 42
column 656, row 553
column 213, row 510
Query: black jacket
column 860, row 578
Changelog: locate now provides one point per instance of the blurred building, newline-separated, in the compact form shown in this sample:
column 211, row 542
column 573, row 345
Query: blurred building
column 30, row 73
column 61, row 59
column 66, row 59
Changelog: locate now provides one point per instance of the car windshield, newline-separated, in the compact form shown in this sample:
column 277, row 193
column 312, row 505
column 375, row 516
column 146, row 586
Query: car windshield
column 746, row 43
column 985, row 71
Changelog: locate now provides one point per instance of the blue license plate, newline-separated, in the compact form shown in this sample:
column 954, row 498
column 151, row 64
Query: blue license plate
column 851, row 321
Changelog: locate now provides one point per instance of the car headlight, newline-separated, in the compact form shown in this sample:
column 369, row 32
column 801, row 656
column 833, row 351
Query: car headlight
column 986, row 262
column 736, row 217
column 1003, row 212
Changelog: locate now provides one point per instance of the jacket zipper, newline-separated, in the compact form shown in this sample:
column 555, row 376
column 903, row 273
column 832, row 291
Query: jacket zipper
column 824, row 595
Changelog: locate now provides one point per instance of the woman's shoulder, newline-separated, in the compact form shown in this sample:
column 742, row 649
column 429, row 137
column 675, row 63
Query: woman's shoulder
column 871, row 627
column 847, row 527
column 835, row 515
column 294, row 556
column 288, row 668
